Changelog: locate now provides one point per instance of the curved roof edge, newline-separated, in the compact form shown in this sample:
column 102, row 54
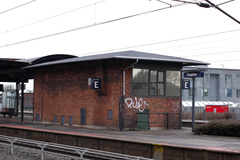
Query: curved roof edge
column 48, row 58
column 122, row 55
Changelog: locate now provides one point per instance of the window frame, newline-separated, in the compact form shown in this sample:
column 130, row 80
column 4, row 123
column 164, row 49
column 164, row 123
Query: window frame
column 238, row 79
column 206, row 78
column 238, row 93
column 157, row 82
column 228, row 80
column 203, row 92
column 227, row 93
column 159, row 70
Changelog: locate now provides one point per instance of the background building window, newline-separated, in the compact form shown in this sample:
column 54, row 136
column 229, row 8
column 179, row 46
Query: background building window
column 228, row 78
column 140, row 82
column 206, row 78
column 238, row 79
column 228, row 92
column 204, row 92
column 173, row 80
column 238, row 93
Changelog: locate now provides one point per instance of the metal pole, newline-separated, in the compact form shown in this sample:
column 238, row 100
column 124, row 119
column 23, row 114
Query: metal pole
column 17, row 98
column 193, row 103
column 22, row 99
column 204, row 114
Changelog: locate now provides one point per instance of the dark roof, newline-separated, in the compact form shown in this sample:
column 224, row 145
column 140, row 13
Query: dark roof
column 124, row 55
column 48, row 58
column 12, row 70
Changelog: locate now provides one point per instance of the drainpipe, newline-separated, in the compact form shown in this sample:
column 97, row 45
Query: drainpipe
column 123, row 99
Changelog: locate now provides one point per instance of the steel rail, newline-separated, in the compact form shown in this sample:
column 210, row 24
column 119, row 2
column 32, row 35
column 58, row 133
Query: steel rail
column 64, row 150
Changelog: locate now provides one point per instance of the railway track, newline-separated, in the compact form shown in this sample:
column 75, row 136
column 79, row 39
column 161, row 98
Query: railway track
column 63, row 150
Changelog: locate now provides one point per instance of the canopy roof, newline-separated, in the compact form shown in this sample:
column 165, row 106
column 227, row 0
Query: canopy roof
column 204, row 103
column 14, row 70
column 125, row 55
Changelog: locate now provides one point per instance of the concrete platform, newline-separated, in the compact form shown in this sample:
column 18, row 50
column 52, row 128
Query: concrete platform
column 174, row 138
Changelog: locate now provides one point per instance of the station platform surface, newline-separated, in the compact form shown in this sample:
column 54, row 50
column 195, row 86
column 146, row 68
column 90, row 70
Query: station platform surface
column 181, row 138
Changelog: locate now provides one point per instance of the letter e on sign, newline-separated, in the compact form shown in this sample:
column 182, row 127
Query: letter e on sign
column 186, row 84
column 96, row 83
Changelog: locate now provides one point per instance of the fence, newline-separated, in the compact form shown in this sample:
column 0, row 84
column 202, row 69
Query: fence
column 166, row 120
column 62, row 150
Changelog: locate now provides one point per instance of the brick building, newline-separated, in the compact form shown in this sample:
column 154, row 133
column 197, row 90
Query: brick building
column 132, row 83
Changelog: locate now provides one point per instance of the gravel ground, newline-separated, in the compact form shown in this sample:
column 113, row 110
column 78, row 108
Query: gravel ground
column 24, row 154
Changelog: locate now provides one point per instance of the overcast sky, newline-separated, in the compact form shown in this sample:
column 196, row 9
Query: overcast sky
column 34, row 28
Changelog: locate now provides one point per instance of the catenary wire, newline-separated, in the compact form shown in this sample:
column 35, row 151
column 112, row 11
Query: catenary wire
column 192, row 44
column 58, row 15
column 17, row 7
column 210, row 54
column 92, row 25
column 162, row 42
column 187, row 50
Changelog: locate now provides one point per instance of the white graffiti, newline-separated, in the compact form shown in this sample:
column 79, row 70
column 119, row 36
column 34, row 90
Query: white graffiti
column 137, row 104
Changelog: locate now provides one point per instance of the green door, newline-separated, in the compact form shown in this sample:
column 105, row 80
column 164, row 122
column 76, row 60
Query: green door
column 143, row 121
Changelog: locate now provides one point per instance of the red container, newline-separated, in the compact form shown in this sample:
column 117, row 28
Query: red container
column 217, row 108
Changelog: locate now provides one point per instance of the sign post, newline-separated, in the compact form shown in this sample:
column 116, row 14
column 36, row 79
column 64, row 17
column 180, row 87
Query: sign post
column 193, row 75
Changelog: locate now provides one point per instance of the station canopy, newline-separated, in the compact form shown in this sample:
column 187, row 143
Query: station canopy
column 202, row 104
column 12, row 70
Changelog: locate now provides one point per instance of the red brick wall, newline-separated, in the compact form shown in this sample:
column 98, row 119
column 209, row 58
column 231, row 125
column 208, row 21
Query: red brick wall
column 154, row 105
column 64, row 90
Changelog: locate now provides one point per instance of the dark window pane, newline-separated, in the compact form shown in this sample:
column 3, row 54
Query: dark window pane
column 173, row 83
column 153, row 76
column 160, row 89
column 140, row 82
column 160, row 76
column 153, row 89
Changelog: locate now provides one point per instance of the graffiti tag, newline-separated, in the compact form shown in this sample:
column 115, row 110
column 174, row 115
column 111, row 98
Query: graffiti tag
column 137, row 104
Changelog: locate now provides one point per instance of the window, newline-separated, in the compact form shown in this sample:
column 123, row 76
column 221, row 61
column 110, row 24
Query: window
column 146, row 82
column 110, row 114
column 238, row 79
column 140, row 82
column 228, row 78
column 228, row 93
column 204, row 92
column 173, row 83
column 206, row 78
column 238, row 93
column 156, row 83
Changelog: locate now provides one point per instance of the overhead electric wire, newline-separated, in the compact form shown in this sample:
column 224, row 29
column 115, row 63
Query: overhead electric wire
column 163, row 48
column 224, row 12
column 210, row 54
column 17, row 7
column 197, row 54
column 162, row 42
column 26, row 25
column 226, row 60
column 92, row 25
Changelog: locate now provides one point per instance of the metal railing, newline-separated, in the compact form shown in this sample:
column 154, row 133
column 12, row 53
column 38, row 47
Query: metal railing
column 167, row 120
column 63, row 150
